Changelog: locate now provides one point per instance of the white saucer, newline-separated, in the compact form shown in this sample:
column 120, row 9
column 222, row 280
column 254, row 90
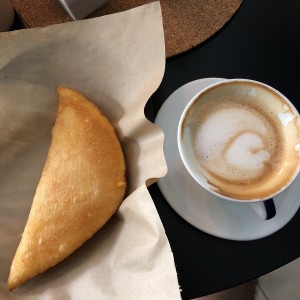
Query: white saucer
column 221, row 218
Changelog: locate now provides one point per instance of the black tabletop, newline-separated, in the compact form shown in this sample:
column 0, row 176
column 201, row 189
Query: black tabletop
column 261, row 42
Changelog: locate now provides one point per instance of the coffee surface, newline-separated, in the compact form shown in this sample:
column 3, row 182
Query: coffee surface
column 241, row 144
column 236, row 142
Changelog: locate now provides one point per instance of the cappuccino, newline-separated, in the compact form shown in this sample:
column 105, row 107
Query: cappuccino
column 243, row 139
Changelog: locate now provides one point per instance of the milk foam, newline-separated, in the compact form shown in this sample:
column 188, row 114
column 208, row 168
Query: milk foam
column 234, row 143
column 286, row 117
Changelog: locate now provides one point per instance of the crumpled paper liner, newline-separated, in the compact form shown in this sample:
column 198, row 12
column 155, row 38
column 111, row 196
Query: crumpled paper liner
column 118, row 62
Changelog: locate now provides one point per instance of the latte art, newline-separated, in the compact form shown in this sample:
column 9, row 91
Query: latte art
column 236, row 143
column 241, row 140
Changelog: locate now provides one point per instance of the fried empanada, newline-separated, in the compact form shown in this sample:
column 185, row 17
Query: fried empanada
column 82, row 185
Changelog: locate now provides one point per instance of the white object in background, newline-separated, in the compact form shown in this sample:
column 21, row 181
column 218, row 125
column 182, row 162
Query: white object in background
column 79, row 9
column 6, row 15
column 281, row 284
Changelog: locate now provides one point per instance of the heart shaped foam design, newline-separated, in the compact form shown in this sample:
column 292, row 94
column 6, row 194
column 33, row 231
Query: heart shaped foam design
column 246, row 152
column 234, row 143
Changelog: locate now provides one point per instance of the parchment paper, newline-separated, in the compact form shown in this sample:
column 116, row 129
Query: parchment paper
column 118, row 62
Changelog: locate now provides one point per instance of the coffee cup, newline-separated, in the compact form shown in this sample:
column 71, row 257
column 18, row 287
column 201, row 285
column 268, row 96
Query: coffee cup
column 79, row 9
column 240, row 140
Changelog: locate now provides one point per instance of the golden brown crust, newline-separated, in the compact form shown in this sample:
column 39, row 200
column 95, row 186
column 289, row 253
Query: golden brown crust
column 82, row 185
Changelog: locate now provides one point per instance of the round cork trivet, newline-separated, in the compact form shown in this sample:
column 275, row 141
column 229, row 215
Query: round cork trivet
column 186, row 23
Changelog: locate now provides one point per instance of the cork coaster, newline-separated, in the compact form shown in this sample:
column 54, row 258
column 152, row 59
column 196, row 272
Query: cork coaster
column 186, row 23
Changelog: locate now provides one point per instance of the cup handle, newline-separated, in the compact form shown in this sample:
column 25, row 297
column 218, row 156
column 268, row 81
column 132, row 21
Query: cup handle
column 264, row 209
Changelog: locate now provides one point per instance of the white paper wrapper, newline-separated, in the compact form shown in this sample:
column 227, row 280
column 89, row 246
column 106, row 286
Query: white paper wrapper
column 117, row 61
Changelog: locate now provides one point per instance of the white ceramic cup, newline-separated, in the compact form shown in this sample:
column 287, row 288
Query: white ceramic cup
column 240, row 140
column 6, row 15
column 79, row 9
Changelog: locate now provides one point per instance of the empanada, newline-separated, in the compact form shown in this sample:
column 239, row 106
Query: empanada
column 82, row 185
